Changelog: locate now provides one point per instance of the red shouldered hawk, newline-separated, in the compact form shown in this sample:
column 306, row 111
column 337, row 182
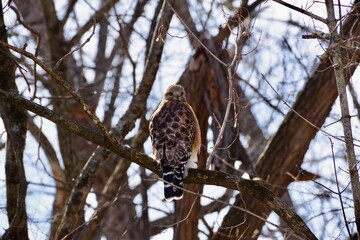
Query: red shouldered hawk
column 176, row 140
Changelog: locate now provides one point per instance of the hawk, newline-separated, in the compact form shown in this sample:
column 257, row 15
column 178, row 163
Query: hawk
column 176, row 140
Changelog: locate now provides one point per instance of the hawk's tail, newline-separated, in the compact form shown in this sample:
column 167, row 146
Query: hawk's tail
column 173, row 184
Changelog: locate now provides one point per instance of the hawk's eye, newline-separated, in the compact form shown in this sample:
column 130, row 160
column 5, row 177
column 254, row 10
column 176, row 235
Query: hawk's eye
column 182, row 94
column 170, row 93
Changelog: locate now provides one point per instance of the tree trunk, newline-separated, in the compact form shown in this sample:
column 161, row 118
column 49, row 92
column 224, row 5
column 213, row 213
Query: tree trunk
column 15, row 120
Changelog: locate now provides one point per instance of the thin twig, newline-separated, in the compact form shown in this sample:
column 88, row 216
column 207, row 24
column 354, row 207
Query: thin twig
column 314, row 16
column 38, row 41
column 338, row 189
column 188, row 214
column 77, row 48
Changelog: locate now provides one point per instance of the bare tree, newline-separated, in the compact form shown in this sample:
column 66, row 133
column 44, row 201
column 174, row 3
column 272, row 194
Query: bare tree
column 84, row 78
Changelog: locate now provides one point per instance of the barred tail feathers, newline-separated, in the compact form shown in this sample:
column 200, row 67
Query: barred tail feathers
column 173, row 182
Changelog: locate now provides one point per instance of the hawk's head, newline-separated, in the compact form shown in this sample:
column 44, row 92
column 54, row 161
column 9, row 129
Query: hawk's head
column 175, row 93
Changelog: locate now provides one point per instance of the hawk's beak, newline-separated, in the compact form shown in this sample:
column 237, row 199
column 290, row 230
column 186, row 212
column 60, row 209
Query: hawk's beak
column 177, row 94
